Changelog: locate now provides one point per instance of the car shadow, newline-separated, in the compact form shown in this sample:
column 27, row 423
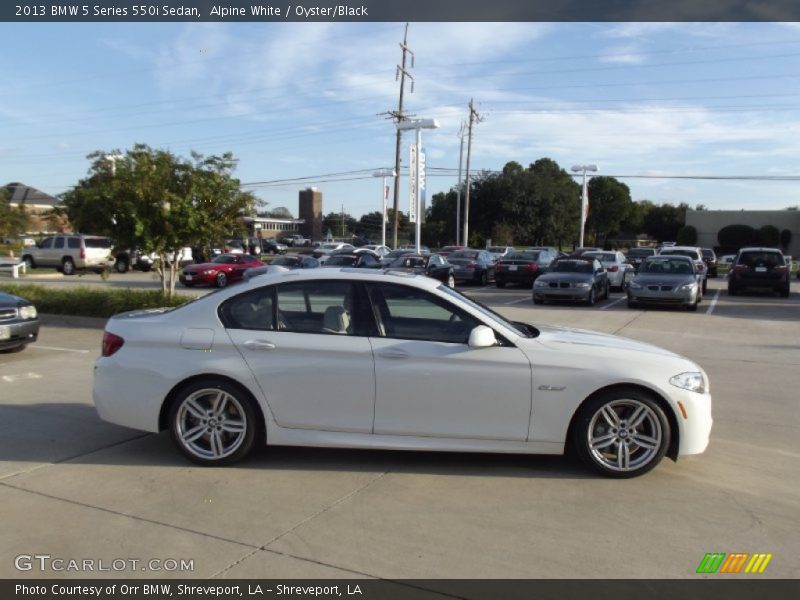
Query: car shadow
column 73, row 433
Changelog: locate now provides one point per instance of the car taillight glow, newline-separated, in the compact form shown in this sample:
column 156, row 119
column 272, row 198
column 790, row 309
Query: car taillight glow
column 700, row 266
column 111, row 343
column 613, row 269
column 740, row 268
column 471, row 263
column 533, row 266
column 781, row 268
column 83, row 252
column 500, row 267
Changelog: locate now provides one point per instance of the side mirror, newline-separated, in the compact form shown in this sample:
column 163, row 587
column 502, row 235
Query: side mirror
column 482, row 337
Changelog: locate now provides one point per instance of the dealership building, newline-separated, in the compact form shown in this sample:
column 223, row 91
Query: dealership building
column 709, row 222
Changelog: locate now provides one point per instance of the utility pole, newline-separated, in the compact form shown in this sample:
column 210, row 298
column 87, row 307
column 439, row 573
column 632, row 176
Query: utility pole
column 459, row 186
column 401, row 73
column 476, row 118
column 342, row 220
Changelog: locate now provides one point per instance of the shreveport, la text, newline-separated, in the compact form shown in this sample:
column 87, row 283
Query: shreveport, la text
column 167, row 589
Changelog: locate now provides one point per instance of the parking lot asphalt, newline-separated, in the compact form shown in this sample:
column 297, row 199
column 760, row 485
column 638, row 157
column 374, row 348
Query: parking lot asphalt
column 74, row 487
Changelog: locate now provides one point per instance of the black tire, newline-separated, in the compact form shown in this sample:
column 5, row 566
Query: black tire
column 121, row 265
column 538, row 301
column 633, row 304
column 593, row 421
column 785, row 292
column 607, row 295
column 238, row 408
column 28, row 260
column 484, row 278
column 221, row 280
column 500, row 284
column 693, row 306
column 68, row 267
column 592, row 298
column 732, row 291
column 705, row 284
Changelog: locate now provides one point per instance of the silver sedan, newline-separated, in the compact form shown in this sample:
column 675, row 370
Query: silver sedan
column 667, row 280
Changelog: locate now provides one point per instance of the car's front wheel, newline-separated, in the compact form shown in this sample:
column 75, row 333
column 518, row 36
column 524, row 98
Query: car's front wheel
column 621, row 433
column 451, row 281
column 121, row 265
column 68, row 267
column 213, row 422
column 221, row 280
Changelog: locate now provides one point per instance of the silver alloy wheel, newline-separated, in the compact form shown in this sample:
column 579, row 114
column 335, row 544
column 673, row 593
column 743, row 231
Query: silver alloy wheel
column 68, row 267
column 451, row 281
column 211, row 424
column 624, row 435
column 222, row 280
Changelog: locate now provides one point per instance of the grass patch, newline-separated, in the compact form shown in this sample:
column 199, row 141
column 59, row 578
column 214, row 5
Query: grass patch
column 89, row 302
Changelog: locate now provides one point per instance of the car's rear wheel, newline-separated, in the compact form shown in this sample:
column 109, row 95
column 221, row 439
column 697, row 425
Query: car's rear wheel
column 705, row 284
column 484, row 278
column 68, row 267
column 591, row 299
column 28, row 260
column 621, row 433
column 785, row 292
column 213, row 422
column 121, row 265
column 221, row 280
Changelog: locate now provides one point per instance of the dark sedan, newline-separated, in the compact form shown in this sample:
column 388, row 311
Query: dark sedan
column 19, row 323
column 295, row 261
column 475, row 266
column 522, row 267
column 575, row 279
column 221, row 271
column 636, row 256
column 363, row 259
column 710, row 258
column 432, row 265
column 388, row 258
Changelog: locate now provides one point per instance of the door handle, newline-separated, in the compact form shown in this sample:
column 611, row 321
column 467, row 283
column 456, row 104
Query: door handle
column 394, row 354
column 259, row 345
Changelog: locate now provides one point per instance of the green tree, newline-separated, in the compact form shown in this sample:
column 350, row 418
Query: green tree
column 733, row 237
column 769, row 235
column 786, row 239
column 341, row 225
column 13, row 220
column 687, row 236
column 609, row 205
column 662, row 222
column 156, row 201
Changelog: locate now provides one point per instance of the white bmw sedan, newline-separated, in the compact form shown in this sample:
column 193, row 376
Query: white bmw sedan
column 367, row 359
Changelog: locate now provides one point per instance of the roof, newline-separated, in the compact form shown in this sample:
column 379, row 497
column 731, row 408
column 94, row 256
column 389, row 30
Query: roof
column 19, row 193
column 348, row 273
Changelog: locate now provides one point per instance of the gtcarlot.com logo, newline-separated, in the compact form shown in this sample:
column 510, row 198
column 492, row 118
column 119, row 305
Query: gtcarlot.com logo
column 734, row 563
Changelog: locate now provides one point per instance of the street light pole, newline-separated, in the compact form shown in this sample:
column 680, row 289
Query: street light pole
column 584, row 197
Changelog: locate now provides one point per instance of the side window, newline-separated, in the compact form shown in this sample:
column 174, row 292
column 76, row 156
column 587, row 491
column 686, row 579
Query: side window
column 414, row 314
column 59, row 243
column 73, row 243
column 252, row 310
column 47, row 243
column 326, row 307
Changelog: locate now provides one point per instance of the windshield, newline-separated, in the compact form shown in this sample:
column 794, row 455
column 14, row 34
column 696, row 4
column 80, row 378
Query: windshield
column 572, row 266
column 408, row 262
column 285, row 261
column 522, row 256
column 522, row 329
column 641, row 252
column 602, row 256
column 689, row 253
column 464, row 254
column 341, row 261
column 669, row 266
column 227, row 259
column 496, row 249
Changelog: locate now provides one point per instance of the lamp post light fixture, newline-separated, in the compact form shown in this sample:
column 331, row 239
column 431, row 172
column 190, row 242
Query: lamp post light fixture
column 418, row 125
column 584, row 196
column 384, row 198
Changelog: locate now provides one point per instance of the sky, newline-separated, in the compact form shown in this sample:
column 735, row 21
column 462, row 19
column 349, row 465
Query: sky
column 304, row 100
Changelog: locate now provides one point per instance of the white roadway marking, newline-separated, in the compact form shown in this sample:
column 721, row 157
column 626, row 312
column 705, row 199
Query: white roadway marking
column 13, row 378
column 39, row 347
column 617, row 301
column 518, row 300
column 711, row 306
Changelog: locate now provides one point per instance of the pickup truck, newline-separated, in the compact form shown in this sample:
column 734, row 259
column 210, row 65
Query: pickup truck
column 296, row 240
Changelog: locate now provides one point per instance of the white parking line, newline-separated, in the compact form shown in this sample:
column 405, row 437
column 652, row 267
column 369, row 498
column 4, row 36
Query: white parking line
column 38, row 347
column 617, row 301
column 713, row 302
column 28, row 375
column 518, row 300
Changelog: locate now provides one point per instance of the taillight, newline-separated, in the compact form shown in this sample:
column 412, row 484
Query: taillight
column 471, row 263
column 111, row 343
column 533, row 266
column 740, row 268
column 83, row 252
column 613, row 269
column 499, row 267
column 700, row 266
column 781, row 268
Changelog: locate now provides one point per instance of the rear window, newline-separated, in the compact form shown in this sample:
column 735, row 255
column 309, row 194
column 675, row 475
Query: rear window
column 497, row 249
column 342, row 261
column 95, row 243
column 464, row 254
column 641, row 252
column 761, row 259
column 689, row 253
column 523, row 256
column 708, row 253
column 603, row 257
column 572, row 266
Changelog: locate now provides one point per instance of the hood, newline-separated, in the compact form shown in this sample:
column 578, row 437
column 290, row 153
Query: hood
column 676, row 279
column 571, row 277
column 203, row 266
column 11, row 300
column 556, row 336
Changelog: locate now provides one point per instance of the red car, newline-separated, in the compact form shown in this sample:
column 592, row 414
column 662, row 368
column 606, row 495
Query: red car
column 224, row 269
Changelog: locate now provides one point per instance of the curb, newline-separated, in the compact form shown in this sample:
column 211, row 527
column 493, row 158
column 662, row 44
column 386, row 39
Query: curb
column 72, row 321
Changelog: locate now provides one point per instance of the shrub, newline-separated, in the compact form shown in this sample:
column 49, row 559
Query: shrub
column 85, row 302
column 733, row 237
column 769, row 235
column 786, row 239
column 687, row 236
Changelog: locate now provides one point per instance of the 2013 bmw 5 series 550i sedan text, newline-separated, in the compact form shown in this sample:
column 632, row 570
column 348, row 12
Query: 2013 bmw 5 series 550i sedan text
column 362, row 358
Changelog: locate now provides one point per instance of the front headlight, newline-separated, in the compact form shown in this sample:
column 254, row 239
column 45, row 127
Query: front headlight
column 541, row 283
column 634, row 286
column 692, row 381
column 583, row 284
column 687, row 287
column 209, row 271
column 27, row 312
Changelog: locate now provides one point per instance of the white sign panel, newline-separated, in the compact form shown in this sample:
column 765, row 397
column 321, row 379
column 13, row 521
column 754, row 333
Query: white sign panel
column 412, row 183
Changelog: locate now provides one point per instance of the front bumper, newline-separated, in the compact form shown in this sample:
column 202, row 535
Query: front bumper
column 695, row 428
column 196, row 279
column 17, row 333
column 572, row 294
column 665, row 297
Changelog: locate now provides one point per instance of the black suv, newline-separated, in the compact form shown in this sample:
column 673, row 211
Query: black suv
column 759, row 268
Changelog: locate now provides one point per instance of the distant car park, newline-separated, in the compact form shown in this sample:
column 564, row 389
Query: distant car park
column 222, row 270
